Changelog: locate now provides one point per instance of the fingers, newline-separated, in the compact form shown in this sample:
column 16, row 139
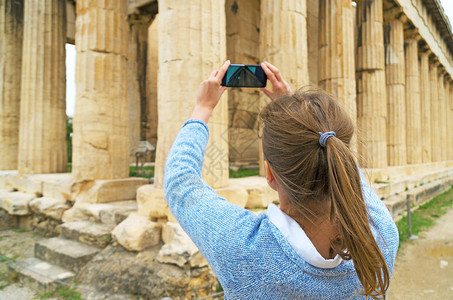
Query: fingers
column 222, row 90
column 270, row 74
column 222, row 70
column 267, row 92
column 274, row 70
column 214, row 73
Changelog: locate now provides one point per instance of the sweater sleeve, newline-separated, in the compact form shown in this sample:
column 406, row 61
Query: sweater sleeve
column 215, row 225
column 381, row 223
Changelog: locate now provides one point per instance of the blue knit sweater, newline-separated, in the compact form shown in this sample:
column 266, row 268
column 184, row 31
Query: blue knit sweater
column 249, row 255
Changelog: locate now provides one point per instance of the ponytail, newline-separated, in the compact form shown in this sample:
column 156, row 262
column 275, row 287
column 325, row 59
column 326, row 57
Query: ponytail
column 321, row 180
column 348, row 207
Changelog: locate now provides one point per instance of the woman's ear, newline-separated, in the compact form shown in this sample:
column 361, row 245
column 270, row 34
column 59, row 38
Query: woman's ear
column 270, row 176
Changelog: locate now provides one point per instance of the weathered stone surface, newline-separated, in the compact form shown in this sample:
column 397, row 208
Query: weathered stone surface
column 425, row 107
column 4, row 182
column 108, row 213
column 68, row 254
column 87, row 233
column 179, row 248
column 58, row 186
column 26, row 183
column 371, row 95
column 336, row 52
column 124, row 272
column 442, row 113
column 40, row 275
column 102, row 191
column 200, row 47
column 137, row 233
column 413, row 114
column 235, row 194
column 6, row 220
column 151, row 202
column 44, row 225
column 395, row 83
column 16, row 203
column 151, row 83
column 11, row 31
column 42, row 138
column 436, row 152
column 50, row 207
column 100, row 141
column 260, row 194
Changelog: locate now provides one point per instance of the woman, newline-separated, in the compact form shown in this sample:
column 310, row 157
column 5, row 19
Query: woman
column 331, row 237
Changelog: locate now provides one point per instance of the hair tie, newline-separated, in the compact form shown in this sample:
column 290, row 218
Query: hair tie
column 325, row 136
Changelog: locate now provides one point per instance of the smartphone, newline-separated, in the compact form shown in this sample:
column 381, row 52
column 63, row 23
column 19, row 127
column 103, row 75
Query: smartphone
column 239, row 75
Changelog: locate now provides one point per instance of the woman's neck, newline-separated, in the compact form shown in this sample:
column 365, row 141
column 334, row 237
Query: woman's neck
column 320, row 232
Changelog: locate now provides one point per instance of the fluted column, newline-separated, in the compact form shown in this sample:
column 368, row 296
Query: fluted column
column 371, row 90
column 42, row 137
column 11, row 32
column 413, row 114
column 283, row 41
column 425, row 107
column 151, row 83
column 449, row 99
column 283, row 38
column 442, row 115
column 101, row 142
column 435, row 113
column 192, row 42
column 337, row 52
column 395, row 82
column 137, row 64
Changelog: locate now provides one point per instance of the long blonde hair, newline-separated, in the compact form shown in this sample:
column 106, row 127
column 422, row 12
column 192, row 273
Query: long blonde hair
column 320, row 180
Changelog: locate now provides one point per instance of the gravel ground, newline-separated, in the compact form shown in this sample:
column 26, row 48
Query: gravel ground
column 424, row 267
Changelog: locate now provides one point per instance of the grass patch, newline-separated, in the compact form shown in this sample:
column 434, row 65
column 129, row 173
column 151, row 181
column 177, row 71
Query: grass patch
column 382, row 182
column 426, row 215
column 148, row 172
column 244, row 173
column 62, row 292
column 18, row 230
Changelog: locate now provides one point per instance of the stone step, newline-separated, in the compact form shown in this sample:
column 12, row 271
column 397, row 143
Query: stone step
column 65, row 253
column 111, row 213
column 40, row 275
column 88, row 233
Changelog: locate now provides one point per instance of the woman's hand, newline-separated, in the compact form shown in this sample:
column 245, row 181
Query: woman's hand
column 279, row 85
column 209, row 94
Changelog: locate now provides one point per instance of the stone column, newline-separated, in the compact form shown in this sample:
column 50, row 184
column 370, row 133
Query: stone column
column 283, row 41
column 192, row 42
column 425, row 107
column 283, row 38
column 11, row 32
column 435, row 113
column 395, row 81
column 137, row 64
column 101, row 142
column 371, row 91
column 449, row 98
column 337, row 52
column 42, row 137
column 151, row 83
column 413, row 114
column 442, row 115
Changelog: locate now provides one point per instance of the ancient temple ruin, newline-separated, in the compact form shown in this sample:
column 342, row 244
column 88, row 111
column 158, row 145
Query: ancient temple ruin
column 138, row 67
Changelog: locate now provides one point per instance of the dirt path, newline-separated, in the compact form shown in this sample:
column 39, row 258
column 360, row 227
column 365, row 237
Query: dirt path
column 424, row 268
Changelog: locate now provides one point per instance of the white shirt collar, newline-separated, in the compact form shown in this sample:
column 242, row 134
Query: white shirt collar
column 299, row 240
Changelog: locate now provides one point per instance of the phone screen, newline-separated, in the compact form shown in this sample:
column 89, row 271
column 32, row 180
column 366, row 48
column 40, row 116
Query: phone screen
column 244, row 76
